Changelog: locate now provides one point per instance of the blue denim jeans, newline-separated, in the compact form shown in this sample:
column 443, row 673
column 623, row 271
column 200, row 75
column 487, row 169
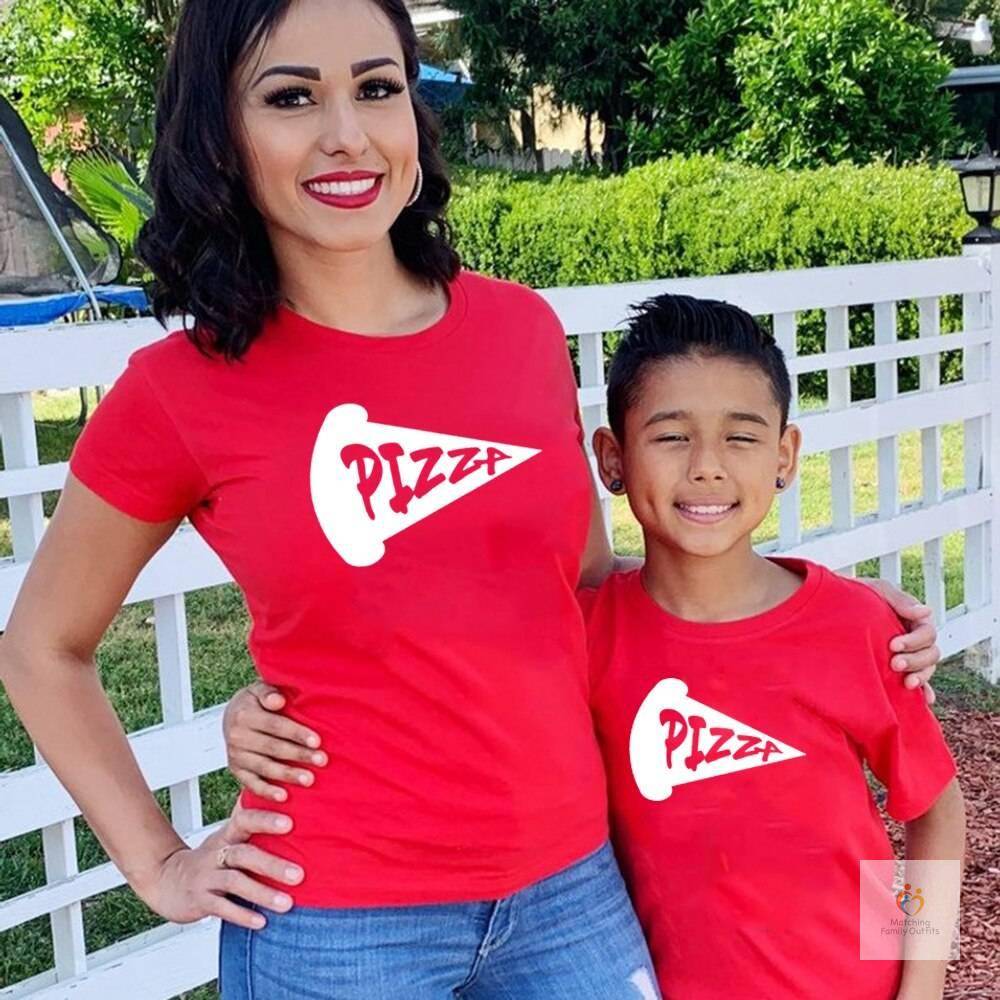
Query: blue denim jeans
column 571, row 936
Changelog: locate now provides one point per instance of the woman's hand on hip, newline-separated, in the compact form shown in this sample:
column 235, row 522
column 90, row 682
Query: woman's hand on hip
column 262, row 744
column 195, row 882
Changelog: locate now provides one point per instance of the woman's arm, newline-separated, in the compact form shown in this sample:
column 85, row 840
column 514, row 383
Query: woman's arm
column 938, row 835
column 88, row 559
column 599, row 559
column 918, row 652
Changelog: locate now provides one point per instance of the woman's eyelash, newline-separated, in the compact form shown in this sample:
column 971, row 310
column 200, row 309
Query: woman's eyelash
column 393, row 86
column 283, row 94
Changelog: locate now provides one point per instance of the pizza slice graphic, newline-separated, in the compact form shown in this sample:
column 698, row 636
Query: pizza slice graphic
column 676, row 740
column 371, row 481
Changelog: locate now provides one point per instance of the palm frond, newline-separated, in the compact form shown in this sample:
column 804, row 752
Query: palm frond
column 110, row 193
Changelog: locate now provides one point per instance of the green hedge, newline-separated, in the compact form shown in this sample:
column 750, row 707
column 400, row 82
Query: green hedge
column 700, row 216
column 704, row 216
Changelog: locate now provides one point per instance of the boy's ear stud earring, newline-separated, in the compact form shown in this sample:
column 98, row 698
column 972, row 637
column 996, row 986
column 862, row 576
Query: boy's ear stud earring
column 617, row 486
column 780, row 483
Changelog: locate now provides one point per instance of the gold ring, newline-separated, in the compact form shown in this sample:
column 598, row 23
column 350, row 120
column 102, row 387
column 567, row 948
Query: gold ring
column 220, row 858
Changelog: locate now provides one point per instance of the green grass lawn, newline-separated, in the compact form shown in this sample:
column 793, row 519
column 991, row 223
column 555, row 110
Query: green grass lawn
column 218, row 623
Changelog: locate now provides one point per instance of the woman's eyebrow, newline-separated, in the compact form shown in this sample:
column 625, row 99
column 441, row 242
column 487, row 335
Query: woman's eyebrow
column 307, row 72
column 366, row 64
column 313, row 73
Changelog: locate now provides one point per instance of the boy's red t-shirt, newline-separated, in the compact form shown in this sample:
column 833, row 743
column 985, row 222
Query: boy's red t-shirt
column 406, row 517
column 741, row 850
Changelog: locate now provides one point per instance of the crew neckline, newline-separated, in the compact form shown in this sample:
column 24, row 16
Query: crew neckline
column 291, row 322
column 739, row 628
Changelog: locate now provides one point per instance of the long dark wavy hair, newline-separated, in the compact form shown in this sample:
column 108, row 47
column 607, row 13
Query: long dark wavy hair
column 206, row 243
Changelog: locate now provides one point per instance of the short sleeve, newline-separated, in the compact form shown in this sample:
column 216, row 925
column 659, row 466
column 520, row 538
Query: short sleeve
column 580, row 436
column 132, row 455
column 565, row 382
column 900, row 737
column 571, row 390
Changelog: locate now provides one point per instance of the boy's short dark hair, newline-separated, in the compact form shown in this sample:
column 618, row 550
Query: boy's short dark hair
column 678, row 326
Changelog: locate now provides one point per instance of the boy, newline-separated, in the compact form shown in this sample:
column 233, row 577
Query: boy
column 736, row 696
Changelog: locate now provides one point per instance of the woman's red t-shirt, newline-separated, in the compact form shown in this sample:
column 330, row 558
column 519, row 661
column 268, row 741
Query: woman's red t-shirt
column 406, row 517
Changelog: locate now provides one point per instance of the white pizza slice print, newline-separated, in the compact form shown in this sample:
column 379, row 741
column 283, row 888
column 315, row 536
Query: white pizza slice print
column 676, row 740
column 371, row 481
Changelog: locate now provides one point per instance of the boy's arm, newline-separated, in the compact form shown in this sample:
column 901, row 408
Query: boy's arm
column 938, row 835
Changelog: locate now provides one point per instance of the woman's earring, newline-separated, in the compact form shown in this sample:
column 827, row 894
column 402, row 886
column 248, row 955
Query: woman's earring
column 780, row 483
column 419, row 186
column 617, row 486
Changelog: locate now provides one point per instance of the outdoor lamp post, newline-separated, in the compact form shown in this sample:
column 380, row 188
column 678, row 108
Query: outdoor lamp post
column 980, row 180
column 981, row 38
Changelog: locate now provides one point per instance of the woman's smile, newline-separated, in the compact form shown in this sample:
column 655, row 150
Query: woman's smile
column 344, row 191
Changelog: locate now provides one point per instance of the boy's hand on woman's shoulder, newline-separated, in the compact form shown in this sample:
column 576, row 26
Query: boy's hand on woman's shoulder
column 263, row 746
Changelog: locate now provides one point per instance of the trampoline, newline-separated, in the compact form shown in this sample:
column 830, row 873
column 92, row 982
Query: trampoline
column 54, row 259
column 35, row 310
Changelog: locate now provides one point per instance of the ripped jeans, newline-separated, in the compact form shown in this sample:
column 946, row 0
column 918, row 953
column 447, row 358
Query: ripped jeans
column 571, row 936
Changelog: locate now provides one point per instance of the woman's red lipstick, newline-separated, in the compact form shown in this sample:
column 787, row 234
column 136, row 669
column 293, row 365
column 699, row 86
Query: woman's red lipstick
column 324, row 188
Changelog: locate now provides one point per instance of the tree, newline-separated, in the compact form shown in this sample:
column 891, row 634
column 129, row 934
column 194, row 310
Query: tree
column 796, row 83
column 926, row 12
column 85, row 73
column 584, row 51
column 504, row 45
column 832, row 80
column 691, row 89
column 163, row 13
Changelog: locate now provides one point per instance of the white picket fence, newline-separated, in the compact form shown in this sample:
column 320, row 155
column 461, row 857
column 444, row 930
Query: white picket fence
column 551, row 159
column 162, row 963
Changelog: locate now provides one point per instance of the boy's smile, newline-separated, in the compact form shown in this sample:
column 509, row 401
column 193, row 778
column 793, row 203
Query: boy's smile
column 706, row 511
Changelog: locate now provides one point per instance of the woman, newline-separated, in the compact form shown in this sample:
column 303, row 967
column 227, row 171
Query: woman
column 383, row 449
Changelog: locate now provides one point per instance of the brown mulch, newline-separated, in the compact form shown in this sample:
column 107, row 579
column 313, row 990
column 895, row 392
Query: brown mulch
column 974, row 738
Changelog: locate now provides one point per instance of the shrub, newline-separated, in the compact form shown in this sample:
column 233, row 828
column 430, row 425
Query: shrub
column 680, row 217
column 701, row 215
